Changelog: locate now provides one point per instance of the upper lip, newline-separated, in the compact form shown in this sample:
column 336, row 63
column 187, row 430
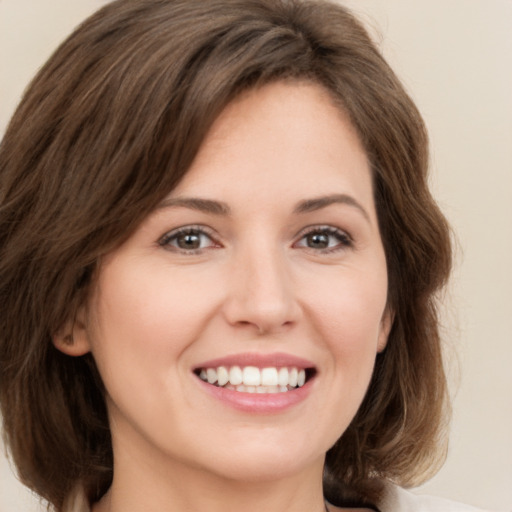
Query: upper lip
column 278, row 359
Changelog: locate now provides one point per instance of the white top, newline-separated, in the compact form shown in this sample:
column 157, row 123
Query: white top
column 395, row 499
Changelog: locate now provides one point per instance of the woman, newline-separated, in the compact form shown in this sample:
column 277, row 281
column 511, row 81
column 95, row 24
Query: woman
column 218, row 264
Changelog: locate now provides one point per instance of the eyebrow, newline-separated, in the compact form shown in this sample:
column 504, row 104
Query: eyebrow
column 196, row 203
column 311, row 205
column 220, row 208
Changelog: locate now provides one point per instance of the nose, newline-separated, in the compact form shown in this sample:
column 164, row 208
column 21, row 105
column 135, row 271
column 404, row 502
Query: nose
column 261, row 292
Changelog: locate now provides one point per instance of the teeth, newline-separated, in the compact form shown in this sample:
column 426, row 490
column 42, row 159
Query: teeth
column 251, row 376
column 282, row 377
column 251, row 379
column 292, row 377
column 222, row 376
column 211, row 375
column 269, row 377
column 235, row 376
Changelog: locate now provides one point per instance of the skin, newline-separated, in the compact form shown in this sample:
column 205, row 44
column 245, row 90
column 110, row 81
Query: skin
column 257, row 281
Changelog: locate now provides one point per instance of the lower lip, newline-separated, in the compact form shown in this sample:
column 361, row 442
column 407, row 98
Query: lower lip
column 258, row 403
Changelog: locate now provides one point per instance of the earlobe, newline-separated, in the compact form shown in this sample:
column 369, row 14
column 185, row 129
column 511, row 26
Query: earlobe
column 72, row 339
column 385, row 328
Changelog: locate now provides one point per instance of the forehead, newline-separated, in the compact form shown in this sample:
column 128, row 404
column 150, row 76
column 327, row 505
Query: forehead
column 288, row 138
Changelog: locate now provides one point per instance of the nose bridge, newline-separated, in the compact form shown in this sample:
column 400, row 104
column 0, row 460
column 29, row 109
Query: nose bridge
column 261, row 289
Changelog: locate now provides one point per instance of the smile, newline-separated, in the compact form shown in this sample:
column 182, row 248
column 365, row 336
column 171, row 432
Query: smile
column 251, row 379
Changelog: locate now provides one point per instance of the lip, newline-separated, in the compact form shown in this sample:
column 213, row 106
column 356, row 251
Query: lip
column 278, row 359
column 256, row 403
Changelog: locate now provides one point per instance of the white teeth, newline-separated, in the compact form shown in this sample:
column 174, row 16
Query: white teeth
column 211, row 375
column 301, row 378
column 251, row 376
column 251, row 379
column 282, row 377
column 292, row 377
column 222, row 376
column 269, row 377
column 235, row 375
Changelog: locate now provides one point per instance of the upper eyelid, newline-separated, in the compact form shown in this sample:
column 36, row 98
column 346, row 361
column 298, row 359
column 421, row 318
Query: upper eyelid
column 188, row 227
column 326, row 227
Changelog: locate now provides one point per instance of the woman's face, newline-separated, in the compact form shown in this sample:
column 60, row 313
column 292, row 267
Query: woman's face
column 264, row 265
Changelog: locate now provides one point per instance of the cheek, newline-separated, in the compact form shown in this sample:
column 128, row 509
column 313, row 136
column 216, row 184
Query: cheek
column 349, row 310
column 148, row 308
column 142, row 323
column 347, row 323
column 140, row 327
column 348, row 316
column 130, row 326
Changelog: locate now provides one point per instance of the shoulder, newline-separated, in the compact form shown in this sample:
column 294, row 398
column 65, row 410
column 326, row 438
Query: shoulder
column 396, row 499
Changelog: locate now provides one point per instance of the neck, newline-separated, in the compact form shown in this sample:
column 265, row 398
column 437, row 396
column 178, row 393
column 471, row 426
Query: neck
column 155, row 483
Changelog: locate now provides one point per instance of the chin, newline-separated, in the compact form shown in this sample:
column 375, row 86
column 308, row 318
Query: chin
column 262, row 471
column 270, row 462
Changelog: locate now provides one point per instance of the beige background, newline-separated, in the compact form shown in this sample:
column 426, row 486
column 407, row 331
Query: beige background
column 455, row 56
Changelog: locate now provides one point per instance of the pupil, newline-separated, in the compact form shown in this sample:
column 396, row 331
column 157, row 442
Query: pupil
column 189, row 241
column 318, row 240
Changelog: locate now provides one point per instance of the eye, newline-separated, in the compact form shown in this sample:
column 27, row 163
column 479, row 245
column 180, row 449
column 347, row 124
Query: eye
column 324, row 239
column 188, row 239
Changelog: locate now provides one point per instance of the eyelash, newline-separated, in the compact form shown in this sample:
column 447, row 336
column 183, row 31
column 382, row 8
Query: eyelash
column 200, row 231
column 344, row 240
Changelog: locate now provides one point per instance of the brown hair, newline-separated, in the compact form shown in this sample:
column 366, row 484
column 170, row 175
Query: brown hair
column 108, row 127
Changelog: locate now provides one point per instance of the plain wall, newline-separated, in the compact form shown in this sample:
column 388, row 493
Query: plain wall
column 455, row 57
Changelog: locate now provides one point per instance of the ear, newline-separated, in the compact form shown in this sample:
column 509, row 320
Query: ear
column 385, row 328
column 72, row 338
